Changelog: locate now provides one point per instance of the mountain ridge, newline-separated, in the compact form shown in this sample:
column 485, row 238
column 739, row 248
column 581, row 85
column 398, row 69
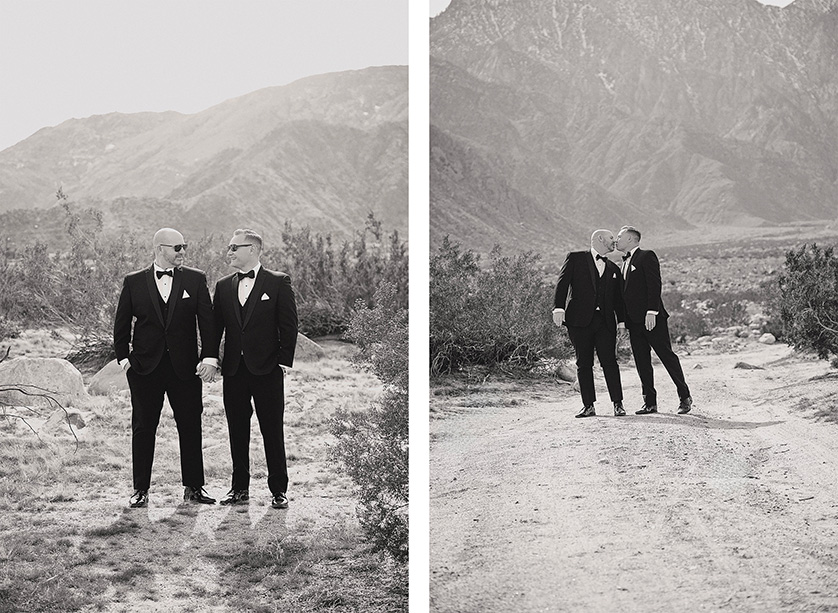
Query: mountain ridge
column 686, row 114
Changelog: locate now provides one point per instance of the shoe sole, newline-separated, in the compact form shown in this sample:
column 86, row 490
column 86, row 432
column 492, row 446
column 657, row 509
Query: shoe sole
column 234, row 502
column 280, row 506
column 138, row 506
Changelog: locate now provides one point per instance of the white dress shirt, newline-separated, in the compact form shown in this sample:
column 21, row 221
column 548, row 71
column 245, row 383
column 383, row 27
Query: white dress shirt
column 246, row 284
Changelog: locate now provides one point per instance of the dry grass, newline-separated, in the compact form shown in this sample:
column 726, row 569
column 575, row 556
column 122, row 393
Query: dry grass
column 68, row 542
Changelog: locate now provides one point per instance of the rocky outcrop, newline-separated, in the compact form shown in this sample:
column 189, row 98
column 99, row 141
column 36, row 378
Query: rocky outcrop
column 33, row 381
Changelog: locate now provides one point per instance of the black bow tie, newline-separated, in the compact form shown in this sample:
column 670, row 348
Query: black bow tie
column 626, row 256
column 160, row 273
column 249, row 275
column 601, row 257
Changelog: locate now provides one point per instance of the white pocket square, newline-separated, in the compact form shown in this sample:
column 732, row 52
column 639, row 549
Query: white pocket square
column 633, row 268
column 614, row 276
column 185, row 294
column 265, row 297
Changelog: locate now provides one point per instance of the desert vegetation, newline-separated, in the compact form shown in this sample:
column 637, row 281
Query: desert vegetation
column 496, row 313
column 346, row 424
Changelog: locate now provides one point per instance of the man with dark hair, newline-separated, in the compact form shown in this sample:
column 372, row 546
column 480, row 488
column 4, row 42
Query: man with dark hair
column 256, row 311
column 646, row 320
column 587, row 301
column 156, row 343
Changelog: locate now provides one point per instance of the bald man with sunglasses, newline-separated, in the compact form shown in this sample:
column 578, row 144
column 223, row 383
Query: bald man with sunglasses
column 156, row 343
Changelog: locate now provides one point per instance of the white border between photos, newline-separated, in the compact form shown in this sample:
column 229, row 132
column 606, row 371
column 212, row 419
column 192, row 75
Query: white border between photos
column 418, row 193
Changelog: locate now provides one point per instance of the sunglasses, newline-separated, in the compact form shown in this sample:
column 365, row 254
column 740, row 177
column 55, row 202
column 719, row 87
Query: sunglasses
column 177, row 248
column 234, row 247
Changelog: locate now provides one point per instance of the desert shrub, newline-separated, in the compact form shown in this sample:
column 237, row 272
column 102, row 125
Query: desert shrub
column 78, row 287
column 807, row 303
column 500, row 315
column 330, row 278
column 373, row 445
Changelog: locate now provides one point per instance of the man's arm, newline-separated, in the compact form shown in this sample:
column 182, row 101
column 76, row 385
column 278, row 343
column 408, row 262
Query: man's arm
column 652, row 275
column 286, row 321
column 122, row 324
column 562, row 288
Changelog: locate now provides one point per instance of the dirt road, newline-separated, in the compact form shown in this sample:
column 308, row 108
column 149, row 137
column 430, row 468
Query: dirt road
column 733, row 507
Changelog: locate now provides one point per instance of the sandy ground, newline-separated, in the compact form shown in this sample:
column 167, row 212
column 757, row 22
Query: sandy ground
column 733, row 507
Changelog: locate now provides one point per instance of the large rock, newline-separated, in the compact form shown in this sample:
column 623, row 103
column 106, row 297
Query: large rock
column 307, row 350
column 108, row 380
column 52, row 376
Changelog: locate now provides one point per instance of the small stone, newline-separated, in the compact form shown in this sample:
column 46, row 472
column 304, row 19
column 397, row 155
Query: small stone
column 767, row 339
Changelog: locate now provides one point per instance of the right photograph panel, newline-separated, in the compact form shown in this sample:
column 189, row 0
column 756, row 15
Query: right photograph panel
column 633, row 305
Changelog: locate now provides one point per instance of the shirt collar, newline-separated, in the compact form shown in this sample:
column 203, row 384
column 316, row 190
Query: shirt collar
column 255, row 269
column 156, row 267
column 594, row 253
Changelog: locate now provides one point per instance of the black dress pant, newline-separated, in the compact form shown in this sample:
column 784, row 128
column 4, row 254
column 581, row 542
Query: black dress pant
column 268, row 395
column 596, row 337
column 642, row 342
column 147, row 403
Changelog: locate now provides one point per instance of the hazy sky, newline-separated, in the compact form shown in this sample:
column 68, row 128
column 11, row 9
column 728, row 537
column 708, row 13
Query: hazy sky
column 437, row 6
column 61, row 59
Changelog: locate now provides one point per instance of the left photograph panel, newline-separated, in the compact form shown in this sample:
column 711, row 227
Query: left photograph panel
column 204, row 305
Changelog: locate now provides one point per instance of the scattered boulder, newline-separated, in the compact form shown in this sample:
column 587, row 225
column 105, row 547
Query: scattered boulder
column 307, row 350
column 767, row 339
column 60, row 418
column 109, row 379
column 746, row 366
column 697, row 366
column 53, row 376
column 744, row 333
column 565, row 372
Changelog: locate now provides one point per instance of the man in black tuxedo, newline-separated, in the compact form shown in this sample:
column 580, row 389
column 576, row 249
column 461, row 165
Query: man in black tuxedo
column 588, row 302
column 256, row 311
column 160, row 356
column 646, row 320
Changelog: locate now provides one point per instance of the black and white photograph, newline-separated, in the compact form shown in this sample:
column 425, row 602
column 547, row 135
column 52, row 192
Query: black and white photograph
column 204, row 306
column 633, row 306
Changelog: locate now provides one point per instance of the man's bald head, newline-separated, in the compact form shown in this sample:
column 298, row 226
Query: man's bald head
column 602, row 241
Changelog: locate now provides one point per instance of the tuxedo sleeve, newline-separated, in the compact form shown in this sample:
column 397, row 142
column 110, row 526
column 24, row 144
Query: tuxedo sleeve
column 652, row 275
column 563, row 284
column 218, row 321
column 286, row 322
column 206, row 321
column 122, row 323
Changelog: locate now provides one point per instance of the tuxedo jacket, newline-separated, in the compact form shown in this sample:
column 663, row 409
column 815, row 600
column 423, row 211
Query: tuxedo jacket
column 140, row 304
column 642, row 286
column 576, row 291
column 264, row 332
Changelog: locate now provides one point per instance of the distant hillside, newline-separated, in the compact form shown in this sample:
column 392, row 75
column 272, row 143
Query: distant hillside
column 550, row 119
column 324, row 151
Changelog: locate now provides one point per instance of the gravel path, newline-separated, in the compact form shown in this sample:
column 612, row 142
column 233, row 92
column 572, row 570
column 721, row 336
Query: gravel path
column 733, row 507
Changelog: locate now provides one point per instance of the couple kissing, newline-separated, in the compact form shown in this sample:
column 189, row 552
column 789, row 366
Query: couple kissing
column 596, row 300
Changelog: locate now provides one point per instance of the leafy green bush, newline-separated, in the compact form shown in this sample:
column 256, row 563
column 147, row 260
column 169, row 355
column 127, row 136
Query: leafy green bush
column 500, row 315
column 373, row 444
column 808, row 299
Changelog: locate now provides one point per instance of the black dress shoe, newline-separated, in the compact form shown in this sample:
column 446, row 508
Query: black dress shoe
column 279, row 501
column 647, row 408
column 138, row 499
column 197, row 494
column 685, row 406
column 235, row 497
column 619, row 411
column 586, row 411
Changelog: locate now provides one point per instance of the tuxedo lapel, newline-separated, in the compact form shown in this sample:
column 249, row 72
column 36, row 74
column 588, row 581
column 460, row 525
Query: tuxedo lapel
column 255, row 295
column 234, row 298
column 154, row 295
column 174, row 295
column 592, row 269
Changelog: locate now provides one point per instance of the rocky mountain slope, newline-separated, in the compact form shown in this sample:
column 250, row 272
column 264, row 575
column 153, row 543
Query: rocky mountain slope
column 324, row 151
column 551, row 118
